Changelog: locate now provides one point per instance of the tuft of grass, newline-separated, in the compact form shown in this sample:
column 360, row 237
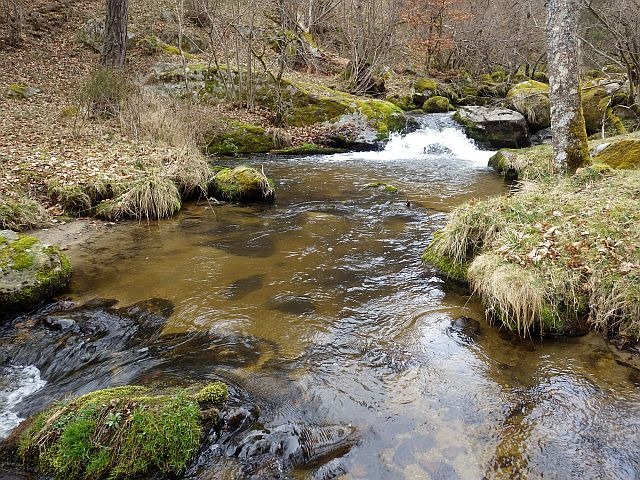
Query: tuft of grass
column 73, row 199
column 152, row 196
column 558, row 256
column 105, row 92
column 21, row 214
column 121, row 432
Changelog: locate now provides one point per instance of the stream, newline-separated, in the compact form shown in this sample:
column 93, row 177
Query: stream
column 318, row 311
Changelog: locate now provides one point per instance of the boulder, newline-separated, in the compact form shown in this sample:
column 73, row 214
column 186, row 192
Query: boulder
column 21, row 91
column 623, row 154
column 437, row 104
column 494, row 127
column 242, row 184
column 304, row 103
column 30, row 272
column 121, row 432
column 531, row 99
column 598, row 99
column 231, row 137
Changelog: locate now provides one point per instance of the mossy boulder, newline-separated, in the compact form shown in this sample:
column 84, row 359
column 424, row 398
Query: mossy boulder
column 30, row 272
column 242, row 183
column 531, row 163
column 21, row 90
column 623, row 154
column 425, row 88
column 121, row 432
column 437, row 104
column 494, row 127
column 231, row 137
column 598, row 99
column 531, row 99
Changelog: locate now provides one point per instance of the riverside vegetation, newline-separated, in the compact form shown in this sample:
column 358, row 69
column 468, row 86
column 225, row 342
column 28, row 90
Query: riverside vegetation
column 556, row 256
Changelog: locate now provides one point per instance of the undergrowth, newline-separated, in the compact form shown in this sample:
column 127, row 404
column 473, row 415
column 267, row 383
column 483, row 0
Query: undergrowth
column 557, row 256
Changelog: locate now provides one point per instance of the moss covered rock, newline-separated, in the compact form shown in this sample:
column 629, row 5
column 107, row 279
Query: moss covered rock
column 242, row 184
column 437, row 104
column 21, row 90
column 598, row 99
column 531, row 99
column 495, row 127
column 121, row 432
column 231, row 138
column 30, row 272
column 621, row 154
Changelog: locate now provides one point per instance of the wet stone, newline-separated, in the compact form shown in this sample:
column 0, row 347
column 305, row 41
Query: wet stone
column 243, row 287
column 292, row 304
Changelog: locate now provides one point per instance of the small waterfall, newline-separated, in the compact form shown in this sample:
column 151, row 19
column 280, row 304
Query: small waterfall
column 438, row 136
column 17, row 383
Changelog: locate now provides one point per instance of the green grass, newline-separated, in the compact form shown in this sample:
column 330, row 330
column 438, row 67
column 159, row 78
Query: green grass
column 121, row 432
column 558, row 256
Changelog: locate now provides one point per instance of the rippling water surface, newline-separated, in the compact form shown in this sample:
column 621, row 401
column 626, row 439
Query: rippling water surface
column 360, row 332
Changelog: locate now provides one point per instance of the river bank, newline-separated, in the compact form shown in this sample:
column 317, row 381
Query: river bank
column 317, row 312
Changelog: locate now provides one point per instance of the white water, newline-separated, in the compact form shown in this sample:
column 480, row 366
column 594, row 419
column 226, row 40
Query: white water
column 438, row 136
column 17, row 383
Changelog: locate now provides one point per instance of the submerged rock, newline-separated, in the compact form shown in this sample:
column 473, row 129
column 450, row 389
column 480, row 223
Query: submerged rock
column 242, row 184
column 496, row 127
column 30, row 272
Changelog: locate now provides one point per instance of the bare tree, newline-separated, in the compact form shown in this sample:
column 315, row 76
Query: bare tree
column 114, row 50
column 567, row 120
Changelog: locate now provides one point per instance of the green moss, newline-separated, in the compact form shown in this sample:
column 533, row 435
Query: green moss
column 115, row 433
column 623, row 154
column 233, row 138
column 437, row 104
column 423, row 85
column 41, row 272
column 382, row 186
column 404, row 102
column 242, row 184
column 17, row 90
column 17, row 255
column 214, row 394
column 450, row 268
column 307, row 149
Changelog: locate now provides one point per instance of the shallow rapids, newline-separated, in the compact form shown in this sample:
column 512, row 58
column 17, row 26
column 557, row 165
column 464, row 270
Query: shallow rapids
column 325, row 293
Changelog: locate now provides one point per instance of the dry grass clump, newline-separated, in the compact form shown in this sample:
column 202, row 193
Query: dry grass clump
column 556, row 257
column 21, row 214
column 151, row 196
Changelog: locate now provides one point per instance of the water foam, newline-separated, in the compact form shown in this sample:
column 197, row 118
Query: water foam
column 438, row 136
column 17, row 383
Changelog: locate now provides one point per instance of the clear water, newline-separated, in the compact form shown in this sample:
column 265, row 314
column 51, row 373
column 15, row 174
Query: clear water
column 360, row 332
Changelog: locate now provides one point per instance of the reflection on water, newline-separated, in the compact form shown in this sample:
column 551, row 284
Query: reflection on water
column 331, row 276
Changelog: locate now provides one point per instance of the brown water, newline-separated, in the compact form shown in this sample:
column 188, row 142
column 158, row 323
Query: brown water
column 361, row 332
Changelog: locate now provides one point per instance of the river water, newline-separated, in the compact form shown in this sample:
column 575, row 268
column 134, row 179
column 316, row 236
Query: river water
column 354, row 330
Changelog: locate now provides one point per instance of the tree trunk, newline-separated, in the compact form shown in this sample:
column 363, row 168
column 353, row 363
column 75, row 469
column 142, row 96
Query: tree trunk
column 114, row 49
column 567, row 120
